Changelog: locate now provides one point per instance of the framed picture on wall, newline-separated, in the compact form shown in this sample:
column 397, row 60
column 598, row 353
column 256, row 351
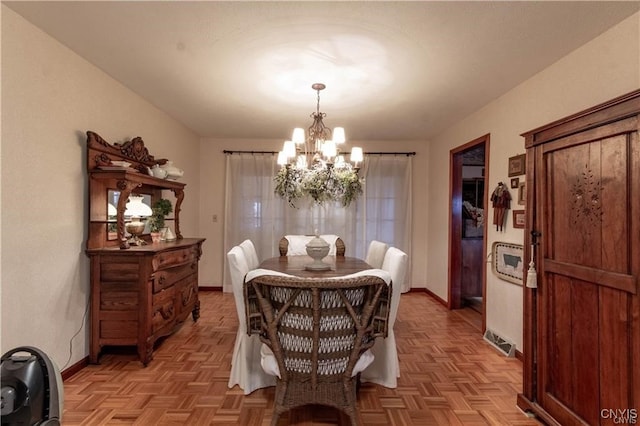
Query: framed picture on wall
column 518, row 219
column 515, row 182
column 517, row 165
column 522, row 194
column 507, row 261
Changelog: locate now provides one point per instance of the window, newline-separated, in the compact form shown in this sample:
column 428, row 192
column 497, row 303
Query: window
column 253, row 211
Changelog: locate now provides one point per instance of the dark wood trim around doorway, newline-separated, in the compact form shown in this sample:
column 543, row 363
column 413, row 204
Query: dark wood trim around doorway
column 455, row 225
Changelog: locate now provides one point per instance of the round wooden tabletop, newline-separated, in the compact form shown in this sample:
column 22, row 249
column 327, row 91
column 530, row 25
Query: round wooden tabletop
column 295, row 265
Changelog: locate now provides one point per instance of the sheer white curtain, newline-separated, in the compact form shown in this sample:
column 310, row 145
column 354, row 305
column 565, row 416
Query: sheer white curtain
column 249, row 201
column 252, row 210
column 384, row 211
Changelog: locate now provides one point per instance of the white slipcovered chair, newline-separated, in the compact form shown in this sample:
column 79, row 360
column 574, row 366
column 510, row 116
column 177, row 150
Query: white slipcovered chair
column 250, row 254
column 375, row 253
column 385, row 368
column 246, row 371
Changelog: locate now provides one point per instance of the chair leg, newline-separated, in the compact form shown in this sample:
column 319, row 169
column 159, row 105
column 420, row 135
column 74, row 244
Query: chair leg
column 354, row 420
column 351, row 395
column 354, row 417
column 277, row 412
column 275, row 418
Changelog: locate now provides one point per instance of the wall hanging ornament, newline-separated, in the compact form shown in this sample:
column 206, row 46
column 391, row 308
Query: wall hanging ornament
column 501, row 200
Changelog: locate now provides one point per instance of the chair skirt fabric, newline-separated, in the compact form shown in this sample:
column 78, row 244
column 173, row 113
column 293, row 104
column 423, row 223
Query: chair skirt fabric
column 246, row 371
column 246, row 368
column 385, row 368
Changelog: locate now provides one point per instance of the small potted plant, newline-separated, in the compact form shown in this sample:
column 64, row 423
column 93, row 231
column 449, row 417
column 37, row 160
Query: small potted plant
column 160, row 210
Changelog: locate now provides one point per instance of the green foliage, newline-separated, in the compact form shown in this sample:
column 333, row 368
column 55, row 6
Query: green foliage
column 349, row 187
column 322, row 182
column 160, row 210
column 287, row 184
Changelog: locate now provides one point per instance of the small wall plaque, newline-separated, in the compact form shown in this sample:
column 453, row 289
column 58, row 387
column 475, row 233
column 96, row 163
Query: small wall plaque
column 517, row 165
column 507, row 261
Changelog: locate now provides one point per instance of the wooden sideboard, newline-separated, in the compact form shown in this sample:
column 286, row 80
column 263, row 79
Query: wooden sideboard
column 139, row 293
column 143, row 293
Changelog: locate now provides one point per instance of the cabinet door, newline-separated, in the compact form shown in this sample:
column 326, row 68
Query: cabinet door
column 588, row 210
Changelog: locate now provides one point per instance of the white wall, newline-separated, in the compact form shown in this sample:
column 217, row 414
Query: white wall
column 212, row 175
column 604, row 68
column 50, row 98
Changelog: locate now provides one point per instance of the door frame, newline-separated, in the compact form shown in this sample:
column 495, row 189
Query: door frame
column 454, row 299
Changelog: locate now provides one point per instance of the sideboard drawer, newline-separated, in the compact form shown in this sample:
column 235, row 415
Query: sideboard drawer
column 167, row 277
column 172, row 258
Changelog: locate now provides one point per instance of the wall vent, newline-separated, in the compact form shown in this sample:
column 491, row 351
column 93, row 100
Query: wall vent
column 504, row 346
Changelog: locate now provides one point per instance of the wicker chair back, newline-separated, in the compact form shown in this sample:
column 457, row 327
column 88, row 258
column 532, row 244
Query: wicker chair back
column 317, row 329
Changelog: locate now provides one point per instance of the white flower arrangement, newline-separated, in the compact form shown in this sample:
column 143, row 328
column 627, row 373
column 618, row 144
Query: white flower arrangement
column 323, row 182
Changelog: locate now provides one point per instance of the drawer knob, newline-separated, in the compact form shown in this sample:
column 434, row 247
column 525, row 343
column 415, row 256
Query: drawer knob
column 166, row 312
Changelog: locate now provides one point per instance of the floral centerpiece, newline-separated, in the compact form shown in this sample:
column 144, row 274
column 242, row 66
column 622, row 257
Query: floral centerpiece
column 323, row 182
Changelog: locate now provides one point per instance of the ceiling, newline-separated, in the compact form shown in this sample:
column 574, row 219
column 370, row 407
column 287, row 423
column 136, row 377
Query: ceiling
column 393, row 70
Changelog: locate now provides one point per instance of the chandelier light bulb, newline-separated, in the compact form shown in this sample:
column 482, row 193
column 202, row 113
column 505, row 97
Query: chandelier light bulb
column 338, row 135
column 298, row 135
column 282, row 158
column 329, row 149
column 356, row 155
column 289, row 149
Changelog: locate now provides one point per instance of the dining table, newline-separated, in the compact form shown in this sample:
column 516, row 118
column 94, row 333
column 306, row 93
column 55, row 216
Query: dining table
column 295, row 265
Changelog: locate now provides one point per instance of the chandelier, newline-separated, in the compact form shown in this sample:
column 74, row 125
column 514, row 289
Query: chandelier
column 312, row 166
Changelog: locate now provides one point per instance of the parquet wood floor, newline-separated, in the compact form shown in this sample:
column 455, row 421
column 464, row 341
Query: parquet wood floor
column 449, row 376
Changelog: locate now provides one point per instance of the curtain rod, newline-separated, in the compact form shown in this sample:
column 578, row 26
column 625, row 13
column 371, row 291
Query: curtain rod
column 275, row 152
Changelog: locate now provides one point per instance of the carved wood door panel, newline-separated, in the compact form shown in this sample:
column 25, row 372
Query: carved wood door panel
column 588, row 211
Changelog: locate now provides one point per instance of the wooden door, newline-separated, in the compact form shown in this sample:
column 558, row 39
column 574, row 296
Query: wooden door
column 584, row 325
